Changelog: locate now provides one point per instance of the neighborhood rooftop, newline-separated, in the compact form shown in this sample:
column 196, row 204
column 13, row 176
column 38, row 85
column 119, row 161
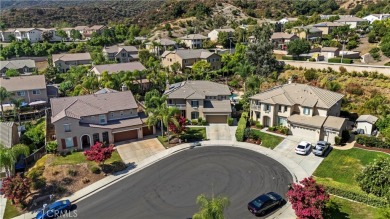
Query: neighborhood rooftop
column 367, row 118
column 17, row 64
column 111, row 68
column 32, row 82
column 71, row 56
column 196, row 90
column 189, row 53
column 116, row 48
column 193, row 37
column 302, row 94
column 350, row 19
column 94, row 104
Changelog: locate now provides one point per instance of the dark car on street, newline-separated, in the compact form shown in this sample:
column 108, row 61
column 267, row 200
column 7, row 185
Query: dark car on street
column 321, row 148
column 54, row 210
column 265, row 202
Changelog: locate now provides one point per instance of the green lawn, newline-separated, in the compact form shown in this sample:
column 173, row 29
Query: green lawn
column 10, row 211
column 192, row 134
column 78, row 157
column 267, row 140
column 339, row 208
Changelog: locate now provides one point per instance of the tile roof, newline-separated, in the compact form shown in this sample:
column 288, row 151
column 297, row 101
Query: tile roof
column 217, row 106
column 165, row 42
column 80, row 27
column 311, row 121
column 193, row 37
column 281, row 35
column 94, row 104
column 329, row 49
column 224, row 30
column 328, row 24
column 30, row 82
column 196, row 90
column 114, row 68
column 25, row 29
column 17, row 64
column 105, row 90
column 335, row 123
column 367, row 118
column 71, row 56
column 117, row 49
column 310, row 28
column 302, row 94
column 190, row 53
column 9, row 30
column 96, row 27
column 350, row 19
column 114, row 124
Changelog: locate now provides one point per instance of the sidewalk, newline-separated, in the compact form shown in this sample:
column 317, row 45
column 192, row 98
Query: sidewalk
column 3, row 203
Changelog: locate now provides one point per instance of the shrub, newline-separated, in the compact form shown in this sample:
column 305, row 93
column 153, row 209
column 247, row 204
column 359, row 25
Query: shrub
column 38, row 183
column 203, row 122
column 283, row 129
column 312, row 59
column 353, row 88
column 337, row 140
column 371, row 141
column 294, row 58
column 342, row 69
column 345, row 135
column 375, row 178
column 230, row 121
column 311, row 75
column 85, row 180
column 55, row 173
column 240, row 132
column 95, row 170
column 60, row 189
column 51, row 146
column 117, row 166
column 194, row 122
column 72, row 172
column 338, row 60
column 233, row 83
column 200, row 119
column 258, row 125
column 271, row 128
column 36, row 172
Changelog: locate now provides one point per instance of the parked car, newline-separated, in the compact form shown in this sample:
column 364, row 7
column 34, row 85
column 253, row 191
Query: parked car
column 54, row 210
column 20, row 165
column 303, row 148
column 264, row 202
column 321, row 148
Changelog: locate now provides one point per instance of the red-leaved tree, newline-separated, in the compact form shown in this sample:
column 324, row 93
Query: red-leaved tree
column 180, row 128
column 308, row 199
column 16, row 188
column 99, row 153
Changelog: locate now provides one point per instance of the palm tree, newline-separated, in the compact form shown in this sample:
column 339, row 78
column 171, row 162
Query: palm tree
column 164, row 115
column 17, row 106
column 9, row 156
column 211, row 208
column 4, row 94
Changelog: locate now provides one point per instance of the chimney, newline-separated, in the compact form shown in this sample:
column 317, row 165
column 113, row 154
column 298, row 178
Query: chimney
column 124, row 87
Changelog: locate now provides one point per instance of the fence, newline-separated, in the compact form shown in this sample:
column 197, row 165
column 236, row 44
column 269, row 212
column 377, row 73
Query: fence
column 36, row 155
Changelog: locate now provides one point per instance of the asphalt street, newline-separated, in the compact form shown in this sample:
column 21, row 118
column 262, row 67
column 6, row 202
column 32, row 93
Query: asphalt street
column 168, row 188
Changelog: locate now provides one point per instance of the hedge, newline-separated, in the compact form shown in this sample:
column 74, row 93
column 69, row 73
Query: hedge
column 338, row 60
column 240, row 132
column 230, row 121
column 367, row 199
column 371, row 141
column 294, row 58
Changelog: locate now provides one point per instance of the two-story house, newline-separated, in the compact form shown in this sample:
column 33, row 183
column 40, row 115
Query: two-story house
column 213, row 35
column 31, row 34
column 24, row 66
column 116, row 68
column 309, row 112
column 281, row 39
column 327, row 27
column 376, row 17
column 307, row 32
column 193, row 41
column 187, row 57
column 88, row 31
column 32, row 89
column 161, row 45
column 121, row 54
column 205, row 99
column 53, row 31
column 112, row 117
column 5, row 34
column 64, row 61
column 352, row 21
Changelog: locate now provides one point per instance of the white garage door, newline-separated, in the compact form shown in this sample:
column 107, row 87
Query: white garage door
column 307, row 134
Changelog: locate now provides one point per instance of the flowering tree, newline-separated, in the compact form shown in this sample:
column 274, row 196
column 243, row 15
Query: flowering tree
column 16, row 188
column 99, row 153
column 181, row 127
column 308, row 199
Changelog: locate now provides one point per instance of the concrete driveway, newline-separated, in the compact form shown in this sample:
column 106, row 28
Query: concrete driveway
column 136, row 151
column 309, row 162
column 220, row 132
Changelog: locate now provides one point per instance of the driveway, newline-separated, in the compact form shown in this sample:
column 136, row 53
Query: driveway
column 220, row 132
column 308, row 162
column 136, row 151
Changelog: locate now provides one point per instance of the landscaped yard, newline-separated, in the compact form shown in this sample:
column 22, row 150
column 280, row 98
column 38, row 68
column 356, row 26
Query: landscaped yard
column 339, row 208
column 78, row 158
column 10, row 211
column 192, row 134
column 267, row 140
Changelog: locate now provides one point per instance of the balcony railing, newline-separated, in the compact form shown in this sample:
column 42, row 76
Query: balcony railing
column 255, row 107
column 180, row 106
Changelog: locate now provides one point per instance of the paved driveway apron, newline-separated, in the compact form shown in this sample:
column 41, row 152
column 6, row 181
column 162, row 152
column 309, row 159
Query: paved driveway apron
column 138, row 150
column 309, row 162
column 218, row 132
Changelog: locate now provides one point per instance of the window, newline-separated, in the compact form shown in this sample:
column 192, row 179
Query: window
column 195, row 104
column 21, row 93
column 121, row 112
column 285, row 108
column 67, row 127
column 102, row 119
column 112, row 115
column 105, row 137
column 194, row 115
column 280, row 108
column 306, row 111
column 266, row 107
column 282, row 121
column 96, row 137
column 69, row 142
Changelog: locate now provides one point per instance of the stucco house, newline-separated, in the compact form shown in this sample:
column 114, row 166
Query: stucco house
column 213, row 35
column 64, row 61
column 309, row 112
column 9, row 135
column 5, row 34
column 31, row 34
column 193, row 41
column 327, row 27
column 88, row 31
column 187, row 57
column 24, row 66
column 352, row 21
column 53, row 31
column 376, row 17
column 121, row 54
column 118, row 67
column 280, row 39
column 307, row 32
column 32, row 89
column 366, row 123
column 330, row 52
column 162, row 45
column 205, row 99
column 81, row 121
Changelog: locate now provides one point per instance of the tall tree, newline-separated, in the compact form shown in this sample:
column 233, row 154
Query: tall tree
column 62, row 34
column 9, row 156
column 12, row 73
column 17, row 107
column 211, row 208
column 164, row 115
column 375, row 178
column 47, row 36
column 260, row 53
column 298, row 47
column 75, row 35
column 4, row 95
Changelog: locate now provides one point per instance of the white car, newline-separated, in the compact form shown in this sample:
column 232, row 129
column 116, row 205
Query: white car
column 303, row 148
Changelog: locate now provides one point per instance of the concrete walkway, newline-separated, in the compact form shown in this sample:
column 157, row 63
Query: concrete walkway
column 345, row 147
column 296, row 171
column 3, row 203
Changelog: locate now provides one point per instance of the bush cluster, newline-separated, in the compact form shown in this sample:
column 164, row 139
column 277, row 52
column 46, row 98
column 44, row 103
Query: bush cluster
column 230, row 121
column 338, row 60
column 367, row 199
column 95, row 170
column 353, row 88
column 294, row 58
column 258, row 125
column 240, row 132
column 371, row 141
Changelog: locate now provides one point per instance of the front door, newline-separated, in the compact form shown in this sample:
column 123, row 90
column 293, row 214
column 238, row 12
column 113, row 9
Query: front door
column 85, row 141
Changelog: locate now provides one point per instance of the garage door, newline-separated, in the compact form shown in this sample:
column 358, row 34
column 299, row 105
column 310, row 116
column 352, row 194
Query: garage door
column 124, row 136
column 307, row 134
column 216, row 119
column 147, row 131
